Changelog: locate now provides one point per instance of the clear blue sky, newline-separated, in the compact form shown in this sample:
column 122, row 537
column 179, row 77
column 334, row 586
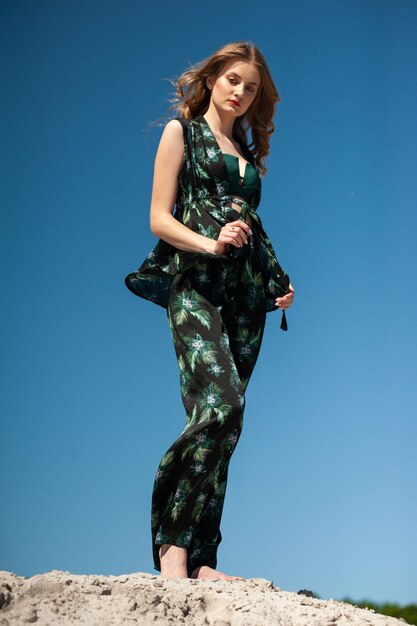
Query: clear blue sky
column 322, row 485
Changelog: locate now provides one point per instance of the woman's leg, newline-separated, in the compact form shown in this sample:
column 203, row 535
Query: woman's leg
column 212, row 345
column 191, row 478
column 243, row 318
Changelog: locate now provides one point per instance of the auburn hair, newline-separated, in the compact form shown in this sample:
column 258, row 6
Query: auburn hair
column 193, row 96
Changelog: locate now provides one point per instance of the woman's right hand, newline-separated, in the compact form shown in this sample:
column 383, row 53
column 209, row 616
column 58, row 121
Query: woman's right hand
column 233, row 233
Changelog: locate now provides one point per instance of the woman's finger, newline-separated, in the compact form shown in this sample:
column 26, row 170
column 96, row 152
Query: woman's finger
column 236, row 234
column 282, row 301
column 241, row 224
column 231, row 240
column 241, row 228
column 285, row 301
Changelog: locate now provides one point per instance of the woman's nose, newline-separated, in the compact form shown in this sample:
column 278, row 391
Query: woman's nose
column 239, row 90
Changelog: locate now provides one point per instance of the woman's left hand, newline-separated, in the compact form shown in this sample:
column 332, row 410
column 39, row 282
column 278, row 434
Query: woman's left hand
column 286, row 301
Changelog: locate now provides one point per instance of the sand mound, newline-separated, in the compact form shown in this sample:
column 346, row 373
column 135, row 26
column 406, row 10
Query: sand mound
column 60, row 598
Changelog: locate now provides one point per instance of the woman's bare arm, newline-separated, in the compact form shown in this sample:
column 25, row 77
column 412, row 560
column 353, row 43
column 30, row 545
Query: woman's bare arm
column 168, row 164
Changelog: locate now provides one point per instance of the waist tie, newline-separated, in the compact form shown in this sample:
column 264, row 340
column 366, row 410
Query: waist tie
column 246, row 209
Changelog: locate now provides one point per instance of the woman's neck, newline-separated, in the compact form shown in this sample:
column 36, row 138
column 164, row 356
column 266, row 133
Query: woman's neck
column 220, row 126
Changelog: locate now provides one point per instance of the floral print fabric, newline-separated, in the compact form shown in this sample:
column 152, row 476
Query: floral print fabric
column 216, row 307
column 203, row 204
column 217, row 316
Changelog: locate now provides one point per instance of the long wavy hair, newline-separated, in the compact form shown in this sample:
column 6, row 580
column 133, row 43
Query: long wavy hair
column 193, row 96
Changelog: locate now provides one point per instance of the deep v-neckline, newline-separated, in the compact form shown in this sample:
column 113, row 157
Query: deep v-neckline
column 241, row 178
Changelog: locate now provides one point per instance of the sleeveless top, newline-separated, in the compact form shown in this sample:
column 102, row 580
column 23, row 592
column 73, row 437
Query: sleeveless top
column 205, row 192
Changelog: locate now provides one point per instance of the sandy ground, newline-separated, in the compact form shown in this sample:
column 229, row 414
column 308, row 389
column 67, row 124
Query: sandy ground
column 59, row 598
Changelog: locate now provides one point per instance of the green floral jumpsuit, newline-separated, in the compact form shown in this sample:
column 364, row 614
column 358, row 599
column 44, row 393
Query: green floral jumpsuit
column 216, row 307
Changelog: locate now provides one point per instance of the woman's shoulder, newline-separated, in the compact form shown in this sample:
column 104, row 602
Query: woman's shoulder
column 176, row 129
column 182, row 128
column 174, row 124
column 172, row 140
column 178, row 122
column 185, row 122
column 173, row 130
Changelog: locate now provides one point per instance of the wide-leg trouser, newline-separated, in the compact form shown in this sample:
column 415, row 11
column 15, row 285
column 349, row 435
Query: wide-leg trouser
column 216, row 312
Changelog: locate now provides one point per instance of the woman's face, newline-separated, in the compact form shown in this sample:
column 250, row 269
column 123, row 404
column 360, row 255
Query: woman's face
column 235, row 87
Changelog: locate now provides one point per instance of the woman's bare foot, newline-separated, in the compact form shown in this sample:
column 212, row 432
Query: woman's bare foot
column 173, row 561
column 204, row 571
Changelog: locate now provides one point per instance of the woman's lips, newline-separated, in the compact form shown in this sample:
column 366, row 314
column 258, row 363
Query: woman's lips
column 235, row 102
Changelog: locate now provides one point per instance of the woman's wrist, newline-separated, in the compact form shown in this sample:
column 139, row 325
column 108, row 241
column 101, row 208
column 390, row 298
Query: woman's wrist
column 209, row 245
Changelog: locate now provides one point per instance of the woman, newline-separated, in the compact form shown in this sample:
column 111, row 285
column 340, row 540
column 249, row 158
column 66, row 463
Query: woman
column 215, row 271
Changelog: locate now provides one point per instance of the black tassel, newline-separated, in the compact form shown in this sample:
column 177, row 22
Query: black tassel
column 284, row 325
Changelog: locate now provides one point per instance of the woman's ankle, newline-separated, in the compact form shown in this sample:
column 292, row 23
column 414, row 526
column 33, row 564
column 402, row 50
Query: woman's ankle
column 173, row 560
column 172, row 548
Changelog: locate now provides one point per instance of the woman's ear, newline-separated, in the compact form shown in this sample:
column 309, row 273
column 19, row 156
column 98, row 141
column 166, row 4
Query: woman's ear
column 209, row 82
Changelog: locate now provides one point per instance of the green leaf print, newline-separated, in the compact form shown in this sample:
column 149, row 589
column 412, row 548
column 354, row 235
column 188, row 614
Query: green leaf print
column 202, row 160
column 190, row 420
column 161, row 538
column 192, row 209
column 187, row 304
column 185, row 377
column 176, row 510
column 180, row 498
column 199, row 447
column 217, row 477
column 212, row 405
column 185, row 537
column 222, row 412
column 245, row 382
column 201, row 172
column 198, row 507
column 234, row 378
column 216, row 370
column 230, row 441
column 209, row 232
column 167, row 459
column 200, row 454
column 254, row 281
column 200, row 351
column 188, row 450
column 224, row 341
column 242, row 335
column 186, row 215
column 249, row 341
